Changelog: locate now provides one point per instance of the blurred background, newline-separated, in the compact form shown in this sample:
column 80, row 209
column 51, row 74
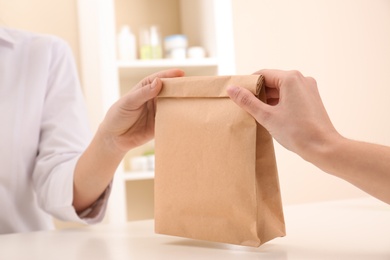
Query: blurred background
column 343, row 44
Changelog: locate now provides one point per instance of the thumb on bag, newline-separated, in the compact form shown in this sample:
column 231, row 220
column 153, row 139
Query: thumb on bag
column 250, row 103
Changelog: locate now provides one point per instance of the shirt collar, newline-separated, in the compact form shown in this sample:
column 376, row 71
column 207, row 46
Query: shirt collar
column 6, row 37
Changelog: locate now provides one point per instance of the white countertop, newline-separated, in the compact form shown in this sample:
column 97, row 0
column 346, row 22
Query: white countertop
column 350, row 229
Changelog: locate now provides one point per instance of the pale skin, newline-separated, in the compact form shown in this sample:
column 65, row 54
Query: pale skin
column 296, row 117
column 128, row 123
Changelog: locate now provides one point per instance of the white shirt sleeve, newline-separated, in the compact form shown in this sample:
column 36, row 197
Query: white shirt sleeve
column 64, row 135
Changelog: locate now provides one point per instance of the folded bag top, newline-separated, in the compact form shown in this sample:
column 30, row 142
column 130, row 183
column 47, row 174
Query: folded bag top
column 216, row 177
column 208, row 86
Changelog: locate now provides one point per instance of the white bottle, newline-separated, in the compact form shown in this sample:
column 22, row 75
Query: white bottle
column 155, row 43
column 127, row 49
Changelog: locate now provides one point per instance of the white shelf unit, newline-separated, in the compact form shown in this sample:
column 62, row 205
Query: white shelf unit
column 135, row 176
column 168, row 63
column 207, row 23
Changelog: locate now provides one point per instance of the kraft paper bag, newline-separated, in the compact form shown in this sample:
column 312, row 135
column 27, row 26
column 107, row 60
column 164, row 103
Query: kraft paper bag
column 215, row 175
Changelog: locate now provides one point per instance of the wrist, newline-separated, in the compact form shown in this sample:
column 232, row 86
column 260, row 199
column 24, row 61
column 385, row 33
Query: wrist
column 107, row 143
column 324, row 153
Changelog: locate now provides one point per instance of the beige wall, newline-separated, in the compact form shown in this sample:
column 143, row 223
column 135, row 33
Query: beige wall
column 345, row 45
column 57, row 17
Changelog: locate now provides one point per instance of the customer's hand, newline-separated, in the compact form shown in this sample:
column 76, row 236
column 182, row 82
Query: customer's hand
column 294, row 114
column 296, row 118
column 130, row 121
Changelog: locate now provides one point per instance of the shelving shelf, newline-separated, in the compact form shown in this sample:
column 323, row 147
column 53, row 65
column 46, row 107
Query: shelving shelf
column 167, row 63
column 206, row 23
column 137, row 175
column 140, row 68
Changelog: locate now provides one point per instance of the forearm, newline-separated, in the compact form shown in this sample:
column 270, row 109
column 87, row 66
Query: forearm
column 128, row 123
column 94, row 171
column 364, row 165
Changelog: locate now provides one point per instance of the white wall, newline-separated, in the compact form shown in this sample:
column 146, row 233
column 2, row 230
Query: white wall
column 345, row 45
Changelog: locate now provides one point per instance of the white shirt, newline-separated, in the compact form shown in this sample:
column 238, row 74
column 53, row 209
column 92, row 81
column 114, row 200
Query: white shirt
column 43, row 131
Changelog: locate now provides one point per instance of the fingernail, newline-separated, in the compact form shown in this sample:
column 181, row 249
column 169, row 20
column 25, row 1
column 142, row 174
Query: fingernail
column 232, row 89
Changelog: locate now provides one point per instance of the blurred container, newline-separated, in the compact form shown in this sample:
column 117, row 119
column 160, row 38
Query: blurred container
column 127, row 48
column 139, row 163
column 150, row 43
column 155, row 42
column 175, row 46
column 196, row 52
column 151, row 160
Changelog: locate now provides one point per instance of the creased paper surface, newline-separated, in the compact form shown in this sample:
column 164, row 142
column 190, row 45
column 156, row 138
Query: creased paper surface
column 216, row 176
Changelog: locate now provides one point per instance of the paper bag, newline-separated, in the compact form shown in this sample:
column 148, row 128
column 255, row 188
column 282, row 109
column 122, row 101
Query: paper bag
column 215, row 172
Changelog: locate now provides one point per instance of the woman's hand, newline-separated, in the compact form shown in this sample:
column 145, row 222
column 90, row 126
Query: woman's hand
column 130, row 121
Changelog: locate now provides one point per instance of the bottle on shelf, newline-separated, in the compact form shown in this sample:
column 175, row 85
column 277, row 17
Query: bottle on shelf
column 175, row 46
column 127, row 49
column 150, row 43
